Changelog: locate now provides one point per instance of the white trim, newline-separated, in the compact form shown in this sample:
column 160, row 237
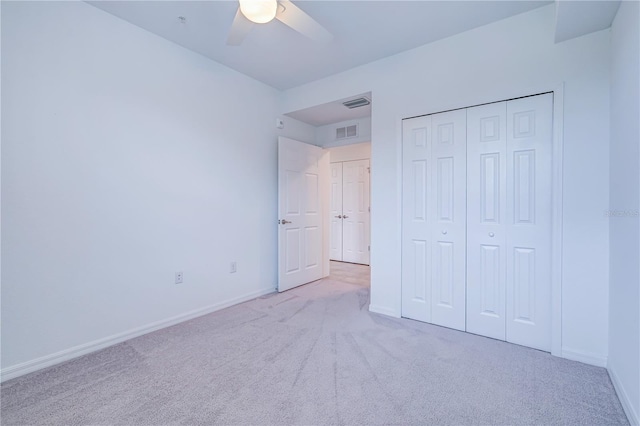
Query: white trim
column 556, row 191
column 76, row 351
column 325, row 200
column 557, row 162
column 632, row 416
column 584, row 357
column 399, row 201
column 383, row 311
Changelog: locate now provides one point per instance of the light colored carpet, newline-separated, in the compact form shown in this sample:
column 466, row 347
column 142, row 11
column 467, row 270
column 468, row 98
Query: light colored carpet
column 313, row 355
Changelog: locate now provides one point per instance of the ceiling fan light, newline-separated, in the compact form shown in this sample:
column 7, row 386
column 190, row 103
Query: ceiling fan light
column 259, row 11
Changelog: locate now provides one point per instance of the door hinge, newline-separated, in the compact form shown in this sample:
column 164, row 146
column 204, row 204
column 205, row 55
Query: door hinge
column 369, row 248
column 369, row 169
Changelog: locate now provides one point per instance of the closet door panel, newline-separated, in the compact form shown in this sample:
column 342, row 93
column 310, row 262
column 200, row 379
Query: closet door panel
column 416, row 241
column 529, row 153
column 486, row 215
column 447, row 218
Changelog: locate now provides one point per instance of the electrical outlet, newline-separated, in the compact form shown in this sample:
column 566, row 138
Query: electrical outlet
column 178, row 277
column 233, row 268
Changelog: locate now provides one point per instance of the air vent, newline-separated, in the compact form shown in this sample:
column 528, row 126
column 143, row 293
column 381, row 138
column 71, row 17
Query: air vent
column 347, row 132
column 356, row 103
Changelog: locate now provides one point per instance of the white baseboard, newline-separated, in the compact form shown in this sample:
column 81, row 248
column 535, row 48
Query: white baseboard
column 587, row 358
column 384, row 311
column 632, row 414
column 76, row 351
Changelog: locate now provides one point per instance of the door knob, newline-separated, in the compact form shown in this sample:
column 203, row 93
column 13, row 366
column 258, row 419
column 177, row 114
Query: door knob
column 444, row 232
column 284, row 221
column 491, row 234
column 339, row 216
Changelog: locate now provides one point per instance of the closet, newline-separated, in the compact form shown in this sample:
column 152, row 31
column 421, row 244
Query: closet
column 476, row 220
column 350, row 211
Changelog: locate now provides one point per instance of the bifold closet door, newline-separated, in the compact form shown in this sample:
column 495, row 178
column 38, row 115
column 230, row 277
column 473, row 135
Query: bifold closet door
column 434, row 219
column 509, row 220
column 448, row 218
column 486, row 218
column 416, row 235
column 335, row 250
column 529, row 151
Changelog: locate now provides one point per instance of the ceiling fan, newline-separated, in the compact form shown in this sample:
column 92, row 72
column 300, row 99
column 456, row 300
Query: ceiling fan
column 251, row 12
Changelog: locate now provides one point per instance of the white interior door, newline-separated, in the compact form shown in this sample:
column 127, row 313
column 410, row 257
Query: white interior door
column 355, row 211
column 509, row 221
column 486, row 219
column 448, row 218
column 303, row 247
column 529, row 154
column 335, row 211
column 476, row 220
column 434, row 219
column 416, row 235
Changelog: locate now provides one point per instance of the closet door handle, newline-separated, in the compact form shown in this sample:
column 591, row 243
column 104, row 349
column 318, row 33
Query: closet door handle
column 345, row 216
column 339, row 216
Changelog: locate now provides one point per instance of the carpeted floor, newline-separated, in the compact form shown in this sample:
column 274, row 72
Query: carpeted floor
column 313, row 355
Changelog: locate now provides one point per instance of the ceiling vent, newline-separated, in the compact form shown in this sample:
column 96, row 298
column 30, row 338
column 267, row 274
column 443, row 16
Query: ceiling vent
column 356, row 103
column 347, row 132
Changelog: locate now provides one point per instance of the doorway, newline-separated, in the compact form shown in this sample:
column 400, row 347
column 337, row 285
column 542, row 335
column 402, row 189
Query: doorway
column 344, row 131
column 350, row 196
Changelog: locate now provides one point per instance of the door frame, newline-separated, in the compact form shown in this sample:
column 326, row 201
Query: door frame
column 556, row 188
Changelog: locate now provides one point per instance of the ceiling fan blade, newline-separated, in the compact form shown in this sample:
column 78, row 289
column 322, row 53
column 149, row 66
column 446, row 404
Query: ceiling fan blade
column 239, row 29
column 294, row 17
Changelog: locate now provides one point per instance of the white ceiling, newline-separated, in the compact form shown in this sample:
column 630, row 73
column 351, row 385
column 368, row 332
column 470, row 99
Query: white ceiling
column 273, row 53
column 332, row 112
column 576, row 18
column 363, row 30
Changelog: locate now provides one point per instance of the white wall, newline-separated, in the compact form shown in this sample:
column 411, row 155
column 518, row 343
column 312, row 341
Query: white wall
column 360, row 151
column 326, row 135
column 624, row 225
column 124, row 159
column 498, row 61
column 297, row 130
